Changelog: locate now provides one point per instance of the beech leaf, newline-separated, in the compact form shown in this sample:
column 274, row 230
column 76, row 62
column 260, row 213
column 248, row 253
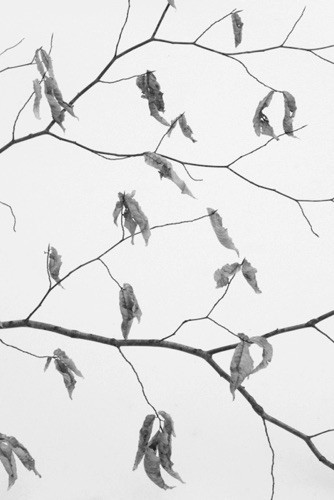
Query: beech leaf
column 220, row 231
column 222, row 276
column 249, row 273
column 155, row 113
column 133, row 215
column 164, row 449
column 150, row 89
column 38, row 97
column 186, row 130
column 8, row 461
column 267, row 353
column 129, row 308
column 23, row 454
column 144, row 437
column 152, row 469
column 54, row 264
column 237, row 28
column 66, row 367
column 67, row 361
column 241, row 365
column 289, row 113
column 166, row 170
column 57, row 111
column 260, row 120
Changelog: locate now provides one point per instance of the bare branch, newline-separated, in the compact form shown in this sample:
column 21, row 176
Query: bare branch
column 111, row 276
column 122, row 29
column 23, row 351
column 12, row 47
column 160, row 21
column 293, row 27
column 215, row 22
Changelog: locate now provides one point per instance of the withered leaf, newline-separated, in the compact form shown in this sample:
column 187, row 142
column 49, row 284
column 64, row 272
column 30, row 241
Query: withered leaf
column 267, row 353
column 164, row 450
column 260, row 120
column 166, row 170
column 152, row 468
column 290, row 109
column 249, row 273
column 155, row 113
column 54, row 264
column 66, row 367
column 220, row 231
column 67, row 361
column 222, row 276
column 150, row 89
column 241, row 365
column 144, row 437
column 38, row 97
column 133, row 215
column 237, row 28
column 23, row 454
column 129, row 308
column 56, row 110
column 8, row 461
column 186, row 130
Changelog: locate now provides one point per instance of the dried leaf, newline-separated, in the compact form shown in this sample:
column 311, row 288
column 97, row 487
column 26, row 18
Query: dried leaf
column 118, row 208
column 67, row 361
column 56, row 110
column 260, row 120
column 144, row 437
column 8, row 461
column 47, row 364
column 152, row 468
column 23, row 454
column 54, row 264
column 267, row 353
column 237, row 28
column 241, row 366
column 290, row 109
column 249, row 273
column 166, row 170
column 38, row 97
column 220, row 231
column 129, row 308
column 137, row 215
column 164, row 449
column 186, row 130
column 39, row 64
column 47, row 61
column 68, row 376
column 168, row 423
column 222, row 276
column 172, row 126
column 154, row 112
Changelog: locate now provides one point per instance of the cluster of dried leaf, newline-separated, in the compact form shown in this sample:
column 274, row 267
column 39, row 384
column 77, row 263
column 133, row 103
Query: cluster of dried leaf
column 66, row 367
column 51, row 89
column 261, row 121
column 156, row 451
column 9, row 446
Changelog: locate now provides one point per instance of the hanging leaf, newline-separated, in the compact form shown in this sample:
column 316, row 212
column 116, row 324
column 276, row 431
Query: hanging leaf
column 67, row 361
column 152, row 468
column 241, row 365
column 8, row 461
column 172, row 126
column 154, row 112
column 290, row 109
column 47, row 364
column 144, row 437
column 237, row 28
column 220, row 231
column 222, row 276
column 186, row 130
column 267, row 353
column 56, row 110
column 38, row 97
column 23, row 454
column 47, row 61
column 168, row 423
column 260, row 120
column 164, row 449
column 39, row 64
column 133, row 215
column 54, row 264
column 129, row 308
column 249, row 273
column 150, row 88
column 166, row 170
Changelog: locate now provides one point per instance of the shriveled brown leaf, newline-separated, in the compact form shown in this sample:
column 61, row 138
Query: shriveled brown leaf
column 241, row 365
column 54, row 264
column 8, row 461
column 144, row 437
column 38, row 97
column 260, row 120
column 186, row 130
column 129, row 308
column 220, row 231
column 152, row 469
column 222, row 276
column 290, row 109
column 67, row 361
column 249, row 274
column 155, row 113
column 164, row 449
column 56, row 110
column 267, row 353
column 23, row 454
column 237, row 25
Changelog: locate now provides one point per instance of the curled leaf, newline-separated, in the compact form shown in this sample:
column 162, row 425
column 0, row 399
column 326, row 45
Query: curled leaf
column 8, row 461
column 133, row 215
column 164, row 449
column 39, row 64
column 168, row 423
column 38, row 97
column 222, row 276
column 67, row 361
column 155, row 113
column 23, row 454
column 129, row 308
column 144, row 437
column 150, row 89
column 249, row 273
column 166, row 170
column 241, row 365
column 186, row 130
column 237, row 25
column 220, row 231
column 56, row 110
column 290, row 109
column 54, row 264
column 267, row 353
column 260, row 121
column 152, row 468
column 66, row 367
column 47, row 61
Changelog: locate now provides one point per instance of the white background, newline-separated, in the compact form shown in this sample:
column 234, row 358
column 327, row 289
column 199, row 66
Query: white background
column 63, row 195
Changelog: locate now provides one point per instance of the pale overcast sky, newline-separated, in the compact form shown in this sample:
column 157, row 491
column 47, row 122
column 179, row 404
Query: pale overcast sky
column 64, row 195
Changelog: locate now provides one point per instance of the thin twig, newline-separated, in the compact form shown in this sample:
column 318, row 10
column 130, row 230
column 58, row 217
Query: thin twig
column 320, row 433
column 272, row 460
column 12, row 47
column 108, row 270
column 159, row 22
column 215, row 22
column 122, row 29
column 293, row 27
column 140, row 383
column 12, row 212
column 22, row 350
